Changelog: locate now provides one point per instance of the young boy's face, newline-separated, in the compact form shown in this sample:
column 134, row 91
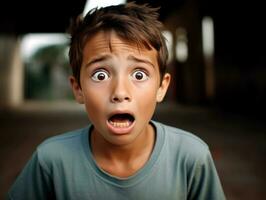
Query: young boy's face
column 119, row 87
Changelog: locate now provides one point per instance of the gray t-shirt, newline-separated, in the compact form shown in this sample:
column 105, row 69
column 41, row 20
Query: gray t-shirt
column 63, row 167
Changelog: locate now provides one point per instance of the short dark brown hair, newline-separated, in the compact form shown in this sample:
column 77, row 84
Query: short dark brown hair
column 134, row 23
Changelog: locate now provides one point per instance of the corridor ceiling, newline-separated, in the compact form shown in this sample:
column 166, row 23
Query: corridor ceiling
column 28, row 16
column 239, row 25
column 52, row 16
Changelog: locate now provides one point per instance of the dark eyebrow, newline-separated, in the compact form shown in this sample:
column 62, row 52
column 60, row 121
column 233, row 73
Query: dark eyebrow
column 142, row 60
column 97, row 59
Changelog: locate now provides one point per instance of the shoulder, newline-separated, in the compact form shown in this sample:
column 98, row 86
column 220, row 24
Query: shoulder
column 184, row 143
column 179, row 135
column 68, row 138
column 62, row 147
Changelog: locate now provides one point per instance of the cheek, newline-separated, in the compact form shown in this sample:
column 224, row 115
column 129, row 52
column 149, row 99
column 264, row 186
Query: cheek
column 94, row 102
column 147, row 100
column 94, row 93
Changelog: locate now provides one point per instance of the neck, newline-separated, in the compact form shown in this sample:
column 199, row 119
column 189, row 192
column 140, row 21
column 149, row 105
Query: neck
column 123, row 160
column 142, row 146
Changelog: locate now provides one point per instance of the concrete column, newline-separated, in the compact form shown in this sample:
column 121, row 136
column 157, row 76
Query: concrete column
column 11, row 72
column 189, row 75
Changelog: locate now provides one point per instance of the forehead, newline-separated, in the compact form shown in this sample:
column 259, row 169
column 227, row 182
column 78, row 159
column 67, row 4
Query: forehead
column 111, row 43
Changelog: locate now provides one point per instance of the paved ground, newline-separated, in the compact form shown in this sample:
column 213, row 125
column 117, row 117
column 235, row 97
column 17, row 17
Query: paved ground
column 238, row 143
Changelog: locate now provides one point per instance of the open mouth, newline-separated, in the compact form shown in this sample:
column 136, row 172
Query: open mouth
column 124, row 120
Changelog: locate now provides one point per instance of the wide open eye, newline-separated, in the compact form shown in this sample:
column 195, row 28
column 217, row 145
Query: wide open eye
column 140, row 75
column 100, row 76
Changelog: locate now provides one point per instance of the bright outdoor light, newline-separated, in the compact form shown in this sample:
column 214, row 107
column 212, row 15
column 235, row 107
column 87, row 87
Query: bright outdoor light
column 32, row 42
column 90, row 4
column 181, row 48
column 208, row 36
column 169, row 43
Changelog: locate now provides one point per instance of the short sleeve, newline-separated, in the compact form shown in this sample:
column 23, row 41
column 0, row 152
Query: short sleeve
column 33, row 182
column 204, row 182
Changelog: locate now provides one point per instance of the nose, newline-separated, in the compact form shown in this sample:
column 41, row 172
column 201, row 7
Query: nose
column 120, row 91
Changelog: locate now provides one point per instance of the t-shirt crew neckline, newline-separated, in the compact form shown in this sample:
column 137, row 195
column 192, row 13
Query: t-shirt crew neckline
column 140, row 174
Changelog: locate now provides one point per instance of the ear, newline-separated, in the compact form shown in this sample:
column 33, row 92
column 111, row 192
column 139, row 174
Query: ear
column 77, row 91
column 163, row 87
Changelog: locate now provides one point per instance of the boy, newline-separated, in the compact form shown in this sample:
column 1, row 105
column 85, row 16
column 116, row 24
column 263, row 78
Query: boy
column 118, row 56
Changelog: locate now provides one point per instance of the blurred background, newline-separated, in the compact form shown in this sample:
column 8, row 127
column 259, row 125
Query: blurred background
column 218, row 90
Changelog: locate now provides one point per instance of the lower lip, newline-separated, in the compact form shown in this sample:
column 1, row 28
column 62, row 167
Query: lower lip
column 120, row 130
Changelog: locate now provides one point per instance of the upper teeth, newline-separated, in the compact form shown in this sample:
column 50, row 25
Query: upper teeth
column 120, row 124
